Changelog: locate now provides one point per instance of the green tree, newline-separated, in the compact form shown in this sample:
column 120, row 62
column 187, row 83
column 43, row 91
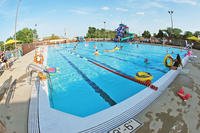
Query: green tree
column 52, row 37
column 99, row 33
column 146, row 34
column 160, row 34
column 91, row 32
column 173, row 33
column 26, row 35
column 187, row 34
column 177, row 33
column 197, row 33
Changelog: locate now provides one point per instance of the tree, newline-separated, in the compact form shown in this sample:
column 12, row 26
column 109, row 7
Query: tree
column 173, row 33
column 146, row 34
column 187, row 34
column 52, row 37
column 99, row 33
column 197, row 33
column 91, row 32
column 177, row 32
column 26, row 35
column 160, row 34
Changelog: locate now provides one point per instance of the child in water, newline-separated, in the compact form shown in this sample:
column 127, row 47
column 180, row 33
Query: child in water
column 96, row 52
column 177, row 63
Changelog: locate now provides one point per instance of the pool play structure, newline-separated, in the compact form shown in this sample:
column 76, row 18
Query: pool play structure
column 99, row 93
column 122, row 34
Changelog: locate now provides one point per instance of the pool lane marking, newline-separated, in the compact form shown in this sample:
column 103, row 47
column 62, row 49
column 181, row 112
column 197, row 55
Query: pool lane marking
column 97, row 89
column 117, row 72
column 130, row 62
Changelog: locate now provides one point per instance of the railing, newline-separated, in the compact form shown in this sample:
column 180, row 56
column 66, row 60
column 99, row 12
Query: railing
column 33, row 115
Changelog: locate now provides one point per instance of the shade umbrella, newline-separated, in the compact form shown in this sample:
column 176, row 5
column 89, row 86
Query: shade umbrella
column 11, row 41
column 193, row 38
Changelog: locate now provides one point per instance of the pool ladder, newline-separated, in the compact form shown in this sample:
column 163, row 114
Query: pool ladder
column 31, row 68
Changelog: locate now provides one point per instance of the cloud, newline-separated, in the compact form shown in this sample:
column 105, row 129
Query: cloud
column 121, row 9
column 105, row 8
column 140, row 13
column 77, row 11
column 191, row 2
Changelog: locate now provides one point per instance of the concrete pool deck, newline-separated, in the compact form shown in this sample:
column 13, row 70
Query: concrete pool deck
column 13, row 118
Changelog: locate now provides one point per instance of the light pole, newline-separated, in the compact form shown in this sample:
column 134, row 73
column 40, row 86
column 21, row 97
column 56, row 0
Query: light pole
column 171, row 13
column 19, row 1
column 104, row 29
column 34, row 33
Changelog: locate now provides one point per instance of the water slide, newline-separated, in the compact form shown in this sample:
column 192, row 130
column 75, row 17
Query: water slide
column 128, row 37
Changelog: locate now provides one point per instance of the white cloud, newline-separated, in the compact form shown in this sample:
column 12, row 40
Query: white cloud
column 121, row 9
column 140, row 13
column 191, row 2
column 77, row 11
column 105, row 8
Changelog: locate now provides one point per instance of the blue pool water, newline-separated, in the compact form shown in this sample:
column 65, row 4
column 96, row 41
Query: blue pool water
column 82, row 88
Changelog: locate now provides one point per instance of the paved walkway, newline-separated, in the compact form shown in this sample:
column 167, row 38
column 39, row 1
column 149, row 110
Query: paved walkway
column 14, row 103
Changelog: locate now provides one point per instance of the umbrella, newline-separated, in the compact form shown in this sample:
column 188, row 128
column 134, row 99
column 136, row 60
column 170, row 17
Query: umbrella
column 11, row 41
column 193, row 38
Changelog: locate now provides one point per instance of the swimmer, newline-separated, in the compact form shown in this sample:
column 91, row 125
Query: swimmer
column 137, row 45
column 96, row 52
column 146, row 61
column 95, row 47
column 120, row 47
column 177, row 63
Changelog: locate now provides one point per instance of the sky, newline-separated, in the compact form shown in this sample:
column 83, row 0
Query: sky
column 75, row 16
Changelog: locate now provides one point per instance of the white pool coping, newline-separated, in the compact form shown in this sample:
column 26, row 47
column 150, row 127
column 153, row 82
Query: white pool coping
column 55, row 121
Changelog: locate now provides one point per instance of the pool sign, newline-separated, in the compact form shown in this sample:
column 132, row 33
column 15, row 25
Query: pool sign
column 127, row 127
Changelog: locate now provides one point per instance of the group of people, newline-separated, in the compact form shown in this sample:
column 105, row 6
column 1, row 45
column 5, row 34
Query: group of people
column 4, row 59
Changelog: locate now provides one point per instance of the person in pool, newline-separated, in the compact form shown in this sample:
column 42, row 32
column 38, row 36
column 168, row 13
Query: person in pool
column 177, row 63
column 96, row 52
column 116, row 47
column 146, row 61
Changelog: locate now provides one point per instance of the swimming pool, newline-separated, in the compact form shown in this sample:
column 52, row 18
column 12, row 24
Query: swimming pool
column 82, row 88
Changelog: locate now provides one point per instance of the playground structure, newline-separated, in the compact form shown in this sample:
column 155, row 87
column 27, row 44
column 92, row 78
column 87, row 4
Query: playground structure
column 80, row 39
column 122, row 34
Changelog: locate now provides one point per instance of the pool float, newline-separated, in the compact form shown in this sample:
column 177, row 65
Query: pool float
column 116, row 48
column 38, row 58
column 112, row 50
column 51, row 70
column 42, row 76
column 143, row 76
column 168, row 57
